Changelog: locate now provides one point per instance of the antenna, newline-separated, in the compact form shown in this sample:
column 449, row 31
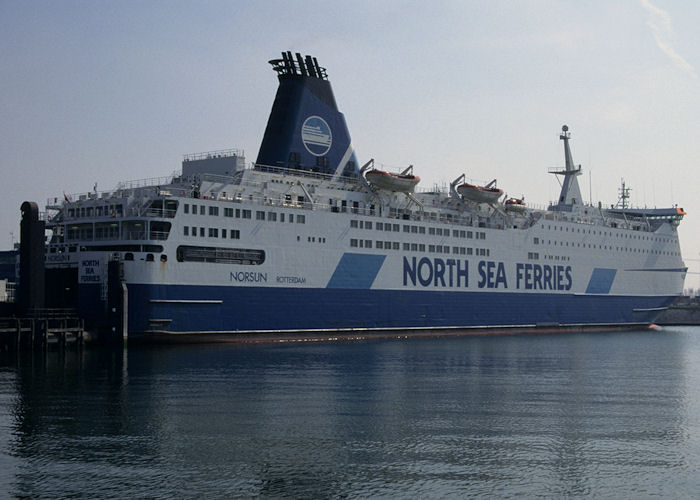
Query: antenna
column 624, row 195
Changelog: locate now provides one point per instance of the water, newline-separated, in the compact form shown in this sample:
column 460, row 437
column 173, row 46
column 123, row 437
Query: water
column 600, row 415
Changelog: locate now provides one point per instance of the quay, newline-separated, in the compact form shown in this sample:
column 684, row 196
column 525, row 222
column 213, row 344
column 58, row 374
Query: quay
column 41, row 311
column 42, row 329
column 685, row 311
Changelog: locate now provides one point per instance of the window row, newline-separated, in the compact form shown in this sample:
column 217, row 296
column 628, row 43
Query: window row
column 211, row 232
column 557, row 257
column 571, row 244
column 418, row 247
column 313, row 239
column 242, row 213
column 407, row 228
column 216, row 255
column 106, row 211
column 616, row 234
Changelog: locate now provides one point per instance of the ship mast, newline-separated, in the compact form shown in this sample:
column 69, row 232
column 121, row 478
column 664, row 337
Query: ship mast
column 622, row 201
column 570, row 193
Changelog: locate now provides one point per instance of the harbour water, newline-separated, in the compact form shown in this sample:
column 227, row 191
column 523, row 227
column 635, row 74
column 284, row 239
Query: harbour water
column 613, row 414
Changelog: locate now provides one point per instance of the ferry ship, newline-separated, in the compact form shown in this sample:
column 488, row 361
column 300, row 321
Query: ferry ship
column 303, row 240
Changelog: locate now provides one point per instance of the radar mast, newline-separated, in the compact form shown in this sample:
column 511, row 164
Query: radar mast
column 570, row 193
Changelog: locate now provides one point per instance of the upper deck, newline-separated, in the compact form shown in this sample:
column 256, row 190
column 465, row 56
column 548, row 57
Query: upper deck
column 132, row 203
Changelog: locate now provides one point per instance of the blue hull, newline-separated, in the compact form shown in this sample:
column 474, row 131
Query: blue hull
column 251, row 309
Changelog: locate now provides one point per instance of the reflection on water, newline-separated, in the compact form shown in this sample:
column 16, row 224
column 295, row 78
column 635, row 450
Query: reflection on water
column 612, row 414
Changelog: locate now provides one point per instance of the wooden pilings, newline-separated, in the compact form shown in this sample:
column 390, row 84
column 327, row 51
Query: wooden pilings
column 41, row 331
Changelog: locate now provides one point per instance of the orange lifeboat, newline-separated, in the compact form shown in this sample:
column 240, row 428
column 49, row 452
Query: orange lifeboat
column 403, row 183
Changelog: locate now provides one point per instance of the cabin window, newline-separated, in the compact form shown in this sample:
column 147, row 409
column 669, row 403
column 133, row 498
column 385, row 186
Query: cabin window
column 272, row 216
column 149, row 257
column 186, row 230
column 213, row 210
column 228, row 212
column 301, row 219
column 223, row 233
column 235, row 234
column 247, row 214
column 186, row 208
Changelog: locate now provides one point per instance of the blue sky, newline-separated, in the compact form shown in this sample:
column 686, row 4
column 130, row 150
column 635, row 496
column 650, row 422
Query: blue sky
column 98, row 91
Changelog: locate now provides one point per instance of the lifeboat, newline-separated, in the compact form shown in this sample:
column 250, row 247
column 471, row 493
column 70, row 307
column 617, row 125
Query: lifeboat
column 516, row 205
column 403, row 183
column 479, row 194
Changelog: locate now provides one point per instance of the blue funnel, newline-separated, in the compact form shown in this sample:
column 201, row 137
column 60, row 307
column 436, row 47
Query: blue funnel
column 305, row 130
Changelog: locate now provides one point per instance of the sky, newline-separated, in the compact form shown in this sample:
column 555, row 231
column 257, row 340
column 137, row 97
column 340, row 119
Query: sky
column 102, row 92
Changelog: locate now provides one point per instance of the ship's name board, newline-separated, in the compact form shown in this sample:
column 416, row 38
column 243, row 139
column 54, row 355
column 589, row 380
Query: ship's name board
column 438, row 272
column 248, row 277
column 256, row 277
column 91, row 271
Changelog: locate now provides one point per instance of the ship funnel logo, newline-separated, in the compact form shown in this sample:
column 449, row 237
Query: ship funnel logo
column 316, row 135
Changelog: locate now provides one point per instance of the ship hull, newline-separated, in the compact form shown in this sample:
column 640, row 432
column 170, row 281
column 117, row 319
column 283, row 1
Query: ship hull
column 221, row 309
